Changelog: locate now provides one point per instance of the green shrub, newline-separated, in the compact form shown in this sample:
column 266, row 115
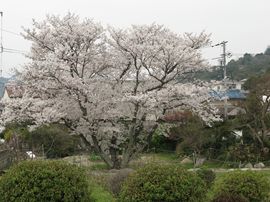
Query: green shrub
column 162, row 183
column 44, row 181
column 55, row 141
column 249, row 184
column 208, row 176
column 226, row 197
column 94, row 157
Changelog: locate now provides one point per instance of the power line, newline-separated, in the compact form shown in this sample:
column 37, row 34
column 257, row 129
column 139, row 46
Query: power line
column 11, row 32
column 5, row 51
column 13, row 50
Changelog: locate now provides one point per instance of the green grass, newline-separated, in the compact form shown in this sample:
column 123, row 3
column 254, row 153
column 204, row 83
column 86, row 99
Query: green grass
column 94, row 157
column 99, row 166
column 211, row 164
column 172, row 157
column 99, row 194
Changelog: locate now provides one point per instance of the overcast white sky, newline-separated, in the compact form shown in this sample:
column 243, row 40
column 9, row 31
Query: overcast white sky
column 244, row 23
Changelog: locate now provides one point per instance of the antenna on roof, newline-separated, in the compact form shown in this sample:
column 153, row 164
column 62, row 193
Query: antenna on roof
column 1, row 45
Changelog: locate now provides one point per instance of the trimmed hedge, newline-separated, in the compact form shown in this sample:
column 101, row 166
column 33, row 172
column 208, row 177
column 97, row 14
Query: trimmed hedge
column 248, row 184
column 163, row 183
column 208, row 176
column 44, row 181
column 226, row 197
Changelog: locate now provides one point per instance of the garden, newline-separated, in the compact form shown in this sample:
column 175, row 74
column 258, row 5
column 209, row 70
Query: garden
column 154, row 177
column 109, row 114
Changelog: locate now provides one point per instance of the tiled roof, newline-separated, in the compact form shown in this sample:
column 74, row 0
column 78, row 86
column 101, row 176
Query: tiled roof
column 231, row 94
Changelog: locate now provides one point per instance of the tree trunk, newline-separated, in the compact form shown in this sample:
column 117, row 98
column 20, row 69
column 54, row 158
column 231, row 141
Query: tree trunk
column 255, row 135
column 115, row 155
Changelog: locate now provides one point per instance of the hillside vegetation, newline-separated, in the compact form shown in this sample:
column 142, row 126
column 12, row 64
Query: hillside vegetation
column 245, row 67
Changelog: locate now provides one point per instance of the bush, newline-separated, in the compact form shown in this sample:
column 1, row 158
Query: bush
column 162, row 183
column 55, row 141
column 208, row 176
column 249, row 184
column 226, row 197
column 44, row 181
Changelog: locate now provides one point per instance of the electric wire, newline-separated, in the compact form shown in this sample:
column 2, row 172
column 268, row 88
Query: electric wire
column 11, row 32
column 13, row 50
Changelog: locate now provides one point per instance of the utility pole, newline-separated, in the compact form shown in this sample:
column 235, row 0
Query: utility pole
column 225, row 78
column 1, row 44
column 223, row 64
column 224, row 58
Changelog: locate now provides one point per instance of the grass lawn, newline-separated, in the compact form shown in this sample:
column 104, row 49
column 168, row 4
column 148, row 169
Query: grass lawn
column 99, row 194
column 172, row 158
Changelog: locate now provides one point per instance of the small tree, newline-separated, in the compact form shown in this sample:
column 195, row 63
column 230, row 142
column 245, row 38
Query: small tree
column 256, row 120
column 190, row 133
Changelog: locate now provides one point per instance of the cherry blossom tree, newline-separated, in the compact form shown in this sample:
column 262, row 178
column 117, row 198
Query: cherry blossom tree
column 112, row 87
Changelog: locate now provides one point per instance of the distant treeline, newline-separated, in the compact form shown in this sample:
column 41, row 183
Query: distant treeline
column 245, row 67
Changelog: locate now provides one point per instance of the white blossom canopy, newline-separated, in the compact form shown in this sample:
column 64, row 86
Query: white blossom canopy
column 110, row 85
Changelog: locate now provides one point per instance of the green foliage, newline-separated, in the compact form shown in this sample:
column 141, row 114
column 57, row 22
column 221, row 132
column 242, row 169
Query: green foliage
column 207, row 175
column 220, row 138
column 163, row 183
column 16, row 129
column 242, row 153
column 249, row 184
column 160, row 142
column 55, row 140
column 256, row 120
column 44, row 181
column 94, row 157
column 227, row 197
column 191, row 135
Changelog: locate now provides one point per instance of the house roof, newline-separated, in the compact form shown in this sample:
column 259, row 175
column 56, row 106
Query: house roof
column 14, row 90
column 231, row 94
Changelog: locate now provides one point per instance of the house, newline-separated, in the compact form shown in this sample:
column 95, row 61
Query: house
column 230, row 84
column 12, row 90
column 228, row 97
